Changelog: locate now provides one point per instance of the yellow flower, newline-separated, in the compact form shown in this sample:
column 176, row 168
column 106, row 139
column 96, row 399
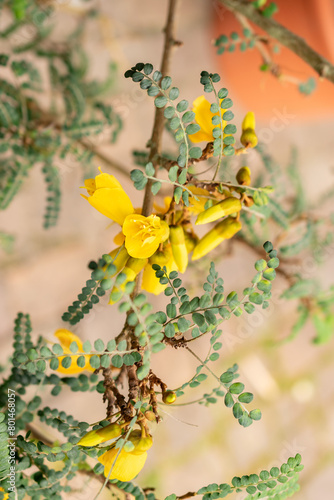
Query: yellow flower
column 94, row 437
column 128, row 464
column 143, row 235
column 203, row 116
column 6, row 495
column 108, row 197
column 222, row 231
column 65, row 338
column 150, row 282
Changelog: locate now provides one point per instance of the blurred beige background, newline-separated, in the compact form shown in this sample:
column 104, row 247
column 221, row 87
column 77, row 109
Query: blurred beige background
column 292, row 384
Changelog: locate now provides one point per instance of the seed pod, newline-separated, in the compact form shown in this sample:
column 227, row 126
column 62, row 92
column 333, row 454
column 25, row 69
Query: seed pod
column 179, row 248
column 244, row 176
column 249, row 138
column 224, row 230
column 92, row 438
column 149, row 415
column 248, row 201
column 169, row 397
column 221, row 209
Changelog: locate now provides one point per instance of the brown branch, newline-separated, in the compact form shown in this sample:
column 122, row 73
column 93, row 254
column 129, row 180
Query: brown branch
column 290, row 40
column 159, row 119
column 187, row 495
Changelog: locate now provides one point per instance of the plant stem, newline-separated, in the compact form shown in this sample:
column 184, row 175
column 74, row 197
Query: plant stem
column 159, row 119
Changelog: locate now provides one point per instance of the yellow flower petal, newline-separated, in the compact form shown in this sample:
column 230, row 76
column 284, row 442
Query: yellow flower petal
column 143, row 235
column 127, row 465
column 119, row 239
column 108, row 197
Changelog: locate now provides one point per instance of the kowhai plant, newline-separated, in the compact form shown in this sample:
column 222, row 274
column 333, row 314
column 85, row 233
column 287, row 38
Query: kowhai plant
column 155, row 244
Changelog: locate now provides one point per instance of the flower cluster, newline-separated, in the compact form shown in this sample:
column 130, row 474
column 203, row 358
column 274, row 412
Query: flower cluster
column 167, row 237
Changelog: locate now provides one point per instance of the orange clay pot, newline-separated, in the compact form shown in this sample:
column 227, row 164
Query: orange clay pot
column 262, row 92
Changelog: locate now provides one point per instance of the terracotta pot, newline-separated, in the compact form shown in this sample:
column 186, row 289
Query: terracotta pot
column 260, row 91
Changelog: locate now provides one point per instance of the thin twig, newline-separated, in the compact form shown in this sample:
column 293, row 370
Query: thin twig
column 159, row 119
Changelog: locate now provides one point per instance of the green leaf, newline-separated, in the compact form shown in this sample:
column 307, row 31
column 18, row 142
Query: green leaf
column 94, row 361
column 169, row 112
column 66, row 362
column 117, row 361
column 188, row 117
column 256, row 298
column 246, row 397
column 237, row 410
column 172, row 174
column 255, row 414
column 166, row 82
column 99, row 345
column 149, row 169
column 182, row 105
column 160, row 101
column 174, row 93
column 81, row 361
column 156, row 186
column 236, row 388
column 195, row 152
column 227, row 377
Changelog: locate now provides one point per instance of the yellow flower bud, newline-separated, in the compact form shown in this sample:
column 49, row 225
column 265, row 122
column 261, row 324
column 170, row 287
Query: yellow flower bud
column 249, row 138
column 244, row 176
column 222, row 231
column 179, row 247
column 94, row 437
column 248, row 121
column 169, row 397
column 221, row 209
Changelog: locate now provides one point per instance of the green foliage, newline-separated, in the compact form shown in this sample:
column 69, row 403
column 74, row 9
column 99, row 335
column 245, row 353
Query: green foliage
column 229, row 43
column 31, row 134
column 276, row 483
